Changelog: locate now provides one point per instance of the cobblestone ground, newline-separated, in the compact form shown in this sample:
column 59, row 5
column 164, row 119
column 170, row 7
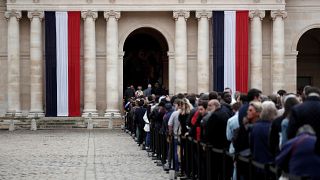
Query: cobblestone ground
column 74, row 154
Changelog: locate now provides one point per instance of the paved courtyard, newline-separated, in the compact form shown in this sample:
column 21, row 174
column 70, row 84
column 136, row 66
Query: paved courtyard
column 74, row 154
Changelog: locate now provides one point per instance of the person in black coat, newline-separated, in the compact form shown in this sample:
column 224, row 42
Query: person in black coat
column 216, row 128
column 307, row 113
column 215, row 134
column 139, row 113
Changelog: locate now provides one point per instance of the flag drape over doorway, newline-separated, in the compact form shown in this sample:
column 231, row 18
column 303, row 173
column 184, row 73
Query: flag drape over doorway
column 230, row 49
column 62, row 50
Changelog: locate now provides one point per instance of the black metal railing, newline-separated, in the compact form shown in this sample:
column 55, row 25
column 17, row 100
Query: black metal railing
column 204, row 162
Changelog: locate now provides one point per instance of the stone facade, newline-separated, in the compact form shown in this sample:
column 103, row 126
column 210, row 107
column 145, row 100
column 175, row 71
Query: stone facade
column 274, row 23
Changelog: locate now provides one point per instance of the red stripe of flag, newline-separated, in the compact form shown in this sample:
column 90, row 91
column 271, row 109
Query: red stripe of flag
column 74, row 63
column 242, row 23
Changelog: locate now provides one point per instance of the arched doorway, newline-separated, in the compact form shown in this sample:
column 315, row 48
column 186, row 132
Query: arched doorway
column 308, row 59
column 145, row 58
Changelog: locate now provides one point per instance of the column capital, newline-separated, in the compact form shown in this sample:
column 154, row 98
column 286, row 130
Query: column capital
column 112, row 13
column 181, row 13
column 278, row 13
column 203, row 14
column 257, row 13
column 13, row 13
column 89, row 13
column 36, row 13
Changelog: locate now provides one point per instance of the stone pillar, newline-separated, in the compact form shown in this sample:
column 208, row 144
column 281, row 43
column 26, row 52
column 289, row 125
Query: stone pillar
column 36, row 64
column 89, row 18
column 112, row 74
column 278, row 50
column 120, row 89
column 291, row 68
column 181, row 61
column 256, row 17
column 203, row 50
column 13, row 90
column 172, row 74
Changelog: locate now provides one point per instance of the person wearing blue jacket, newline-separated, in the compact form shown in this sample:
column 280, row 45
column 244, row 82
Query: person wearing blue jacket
column 297, row 156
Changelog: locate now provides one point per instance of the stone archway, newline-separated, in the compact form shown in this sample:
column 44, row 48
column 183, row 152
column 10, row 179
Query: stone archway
column 308, row 59
column 145, row 58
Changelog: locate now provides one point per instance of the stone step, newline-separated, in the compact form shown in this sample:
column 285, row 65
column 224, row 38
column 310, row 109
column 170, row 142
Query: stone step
column 61, row 123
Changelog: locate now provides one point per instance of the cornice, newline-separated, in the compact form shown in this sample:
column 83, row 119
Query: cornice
column 107, row 6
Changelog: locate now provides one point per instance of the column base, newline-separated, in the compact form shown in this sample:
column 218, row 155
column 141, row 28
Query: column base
column 13, row 114
column 114, row 114
column 88, row 113
column 36, row 114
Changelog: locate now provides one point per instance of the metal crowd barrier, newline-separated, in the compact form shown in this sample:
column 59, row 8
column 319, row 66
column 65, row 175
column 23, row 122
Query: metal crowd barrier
column 202, row 161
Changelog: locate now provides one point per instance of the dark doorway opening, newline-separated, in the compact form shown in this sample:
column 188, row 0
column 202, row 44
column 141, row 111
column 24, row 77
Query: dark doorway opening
column 308, row 60
column 145, row 60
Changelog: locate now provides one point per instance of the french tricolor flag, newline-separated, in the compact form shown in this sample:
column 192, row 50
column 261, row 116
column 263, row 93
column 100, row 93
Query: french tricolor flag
column 62, row 61
column 230, row 49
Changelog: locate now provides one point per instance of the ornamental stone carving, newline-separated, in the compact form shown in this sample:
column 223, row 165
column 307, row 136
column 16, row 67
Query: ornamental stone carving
column 203, row 1
column 181, row 13
column 36, row 13
column 278, row 13
column 257, row 13
column 13, row 13
column 203, row 14
column 89, row 13
column 112, row 13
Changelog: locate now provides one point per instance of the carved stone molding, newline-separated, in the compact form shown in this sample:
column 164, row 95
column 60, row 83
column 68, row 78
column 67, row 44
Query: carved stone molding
column 36, row 13
column 203, row 1
column 203, row 14
column 13, row 13
column 181, row 13
column 36, row 1
column 278, row 13
column 112, row 13
column 89, row 13
column 181, row 1
column 257, row 13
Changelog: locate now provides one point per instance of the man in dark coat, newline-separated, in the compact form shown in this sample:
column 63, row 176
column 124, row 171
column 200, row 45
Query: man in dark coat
column 307, row 113
column 128, row 93
column 139, row 113
column 216, row 128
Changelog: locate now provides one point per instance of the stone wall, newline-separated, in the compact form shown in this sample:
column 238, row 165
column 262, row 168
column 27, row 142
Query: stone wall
column 302, row 16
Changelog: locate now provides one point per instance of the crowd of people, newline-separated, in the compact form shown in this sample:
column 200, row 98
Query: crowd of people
column 279, row 129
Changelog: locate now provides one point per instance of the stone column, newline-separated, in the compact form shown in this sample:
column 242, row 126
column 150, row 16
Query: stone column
column 256, row 17
column 36, row 64
column 181, row 75
column 112, row 74
column 278, row 50
column 89, row 18
column 172, row 75
column 203, row 50
column 291, row 69
column 14, row 106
